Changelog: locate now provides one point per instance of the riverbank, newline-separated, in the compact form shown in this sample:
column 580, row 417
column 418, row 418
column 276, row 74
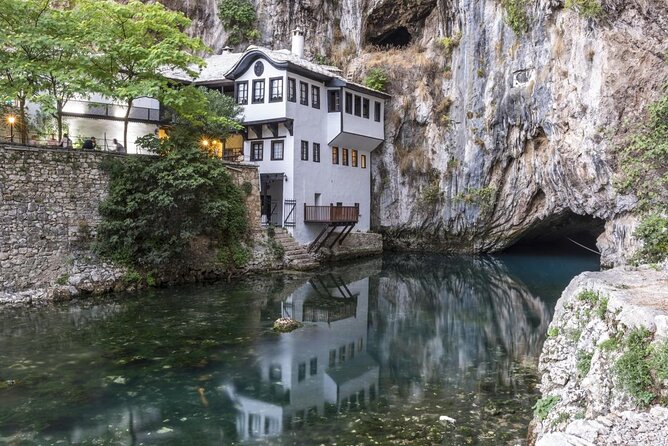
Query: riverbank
column 603, row 364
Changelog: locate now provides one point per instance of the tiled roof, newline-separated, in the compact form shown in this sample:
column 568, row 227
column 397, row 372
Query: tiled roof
column 218, row 68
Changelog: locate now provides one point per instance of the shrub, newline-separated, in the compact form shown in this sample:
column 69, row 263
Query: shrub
column 247, row 187
column 586, row 8
column 157, row 205
column 431, row 194
column 481, row 196
column 376, row 79
column 659, row 360
column 653, row 232
column 516, row 15
column 583, row 363
column 553, row 332
column 238, row 18
column 450, row 43
column 633, row 367
column 544, row 405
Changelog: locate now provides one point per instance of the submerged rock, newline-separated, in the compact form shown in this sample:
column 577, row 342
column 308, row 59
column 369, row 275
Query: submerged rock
column 286, row 325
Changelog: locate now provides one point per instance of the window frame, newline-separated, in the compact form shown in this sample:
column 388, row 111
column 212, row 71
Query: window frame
column 335, row 155
column 316, row 152
column 349, row 103
column 353, row 157
column 236, row 92
column 273, row 153
column 363, row 161
column 344, row 156
column 334, row 101
column 303, row 93
column 315, row 96
column 304, row 150
column 252, row 151
column 366, row 107
column 377, row 110
column 292, row 89
column 273, row 80
column 357, row 111
column 264, row 91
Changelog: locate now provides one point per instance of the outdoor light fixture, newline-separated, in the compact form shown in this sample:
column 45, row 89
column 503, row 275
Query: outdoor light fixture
column 11, row 120
column 205, row 142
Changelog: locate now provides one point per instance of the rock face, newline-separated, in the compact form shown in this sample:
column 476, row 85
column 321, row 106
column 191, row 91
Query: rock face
column 491, row 136
column 579, row 361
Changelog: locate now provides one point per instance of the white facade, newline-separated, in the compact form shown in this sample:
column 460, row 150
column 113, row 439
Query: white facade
column 318, row 118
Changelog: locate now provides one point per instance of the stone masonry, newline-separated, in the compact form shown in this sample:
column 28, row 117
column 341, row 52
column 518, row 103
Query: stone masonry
column 49, row 202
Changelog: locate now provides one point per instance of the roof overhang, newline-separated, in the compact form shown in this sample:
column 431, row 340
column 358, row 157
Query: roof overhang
column 251, row 56
column 338, row 83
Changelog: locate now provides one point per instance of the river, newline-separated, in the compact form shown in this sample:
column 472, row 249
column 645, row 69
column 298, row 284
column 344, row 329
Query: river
column 403, row 349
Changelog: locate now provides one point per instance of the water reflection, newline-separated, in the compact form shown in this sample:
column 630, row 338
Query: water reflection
column 382, row 340
column 317, row 371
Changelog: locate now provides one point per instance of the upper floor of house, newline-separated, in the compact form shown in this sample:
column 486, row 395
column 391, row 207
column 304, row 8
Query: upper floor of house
column 282, row 87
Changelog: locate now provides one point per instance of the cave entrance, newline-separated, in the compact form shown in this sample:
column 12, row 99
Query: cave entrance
column 394, row 38
column 567, row 232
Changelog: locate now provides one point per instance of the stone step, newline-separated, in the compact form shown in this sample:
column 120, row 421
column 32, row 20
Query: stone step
column 299, row 250
column 300, row 257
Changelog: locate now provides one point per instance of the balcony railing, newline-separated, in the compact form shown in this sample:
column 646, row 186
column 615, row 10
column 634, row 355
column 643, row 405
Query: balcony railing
column 331, row 214
column 85, row 108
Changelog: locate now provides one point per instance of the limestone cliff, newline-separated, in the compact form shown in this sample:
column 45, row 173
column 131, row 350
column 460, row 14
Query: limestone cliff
column 602, row 367
column 492, row 135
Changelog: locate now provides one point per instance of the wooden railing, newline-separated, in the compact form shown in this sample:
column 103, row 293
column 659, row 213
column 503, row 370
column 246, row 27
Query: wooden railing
column 331, row 214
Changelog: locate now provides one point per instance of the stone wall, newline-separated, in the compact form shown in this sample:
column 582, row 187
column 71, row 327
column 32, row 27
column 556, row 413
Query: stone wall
column 49, row 202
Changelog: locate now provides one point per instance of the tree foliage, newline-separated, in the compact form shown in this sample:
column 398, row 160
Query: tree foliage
column 377, row 79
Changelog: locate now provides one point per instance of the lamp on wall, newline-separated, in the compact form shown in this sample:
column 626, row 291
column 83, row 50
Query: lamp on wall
column 11, row 120
column 285, row 177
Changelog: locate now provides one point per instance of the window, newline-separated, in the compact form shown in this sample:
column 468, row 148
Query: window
column 303, row 93
column 358, row 106
column 313, row 366
column 353, row 159
column 277, row 150
column 360, row 345
column 333, row 101
column 349, row 103
column 335, row 155
column 351, row 350
column 342, row 354
column 304, row 150
column 292, row 90
column 242, row 93
column 376, row 111
column 344, row 157
column 332, row 358
column 315, row 96
column 365, row 108
column 363, row 161
column 301, row 372
column 257, row 151
column 276, row 89
column 316, row 152
column 275, row 372
column 258, row 91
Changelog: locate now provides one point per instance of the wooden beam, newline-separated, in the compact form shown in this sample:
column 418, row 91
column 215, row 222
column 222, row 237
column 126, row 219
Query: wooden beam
column 273, row 128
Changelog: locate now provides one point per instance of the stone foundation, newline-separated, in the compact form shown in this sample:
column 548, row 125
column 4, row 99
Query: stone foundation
column 356, row 245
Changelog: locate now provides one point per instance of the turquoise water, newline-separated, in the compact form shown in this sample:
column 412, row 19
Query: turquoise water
column 390, row 347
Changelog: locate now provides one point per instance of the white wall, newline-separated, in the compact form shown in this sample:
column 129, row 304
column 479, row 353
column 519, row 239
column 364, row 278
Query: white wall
column 364, row 126
column 266, row 110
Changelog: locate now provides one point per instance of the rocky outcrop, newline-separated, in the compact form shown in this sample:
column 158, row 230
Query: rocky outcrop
column 588, row 360
column 492, row 135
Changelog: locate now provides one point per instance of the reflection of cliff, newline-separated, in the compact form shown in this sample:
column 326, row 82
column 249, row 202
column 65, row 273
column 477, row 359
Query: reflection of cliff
column 318, row 370
column 439, row 319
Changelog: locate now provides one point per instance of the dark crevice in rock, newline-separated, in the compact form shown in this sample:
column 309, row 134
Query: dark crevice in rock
column 394, row 38
column 556, row 230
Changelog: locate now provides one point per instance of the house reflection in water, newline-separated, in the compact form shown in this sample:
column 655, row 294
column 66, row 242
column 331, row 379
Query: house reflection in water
column 318, row 370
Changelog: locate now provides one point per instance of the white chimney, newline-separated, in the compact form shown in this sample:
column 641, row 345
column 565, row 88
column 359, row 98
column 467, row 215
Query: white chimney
column 227, row 50
column 298, row 42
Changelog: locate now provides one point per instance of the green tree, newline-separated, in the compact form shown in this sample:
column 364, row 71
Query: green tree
column 133, row 45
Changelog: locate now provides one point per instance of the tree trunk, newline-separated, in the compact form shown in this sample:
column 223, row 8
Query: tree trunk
column 22, row 125
column 59, row 119
column 125, row 125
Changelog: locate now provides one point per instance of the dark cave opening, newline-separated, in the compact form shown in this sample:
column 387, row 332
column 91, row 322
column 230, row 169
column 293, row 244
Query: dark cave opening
column 566, row 232
column 394, row 38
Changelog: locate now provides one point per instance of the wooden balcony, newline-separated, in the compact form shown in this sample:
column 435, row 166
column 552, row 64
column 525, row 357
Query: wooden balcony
column 331, row 214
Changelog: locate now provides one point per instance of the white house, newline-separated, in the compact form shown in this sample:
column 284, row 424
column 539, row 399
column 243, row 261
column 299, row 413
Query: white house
column 312, row 134
column 318, row 370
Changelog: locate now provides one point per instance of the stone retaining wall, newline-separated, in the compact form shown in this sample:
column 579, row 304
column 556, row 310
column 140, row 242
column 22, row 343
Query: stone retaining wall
column 49, row 202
